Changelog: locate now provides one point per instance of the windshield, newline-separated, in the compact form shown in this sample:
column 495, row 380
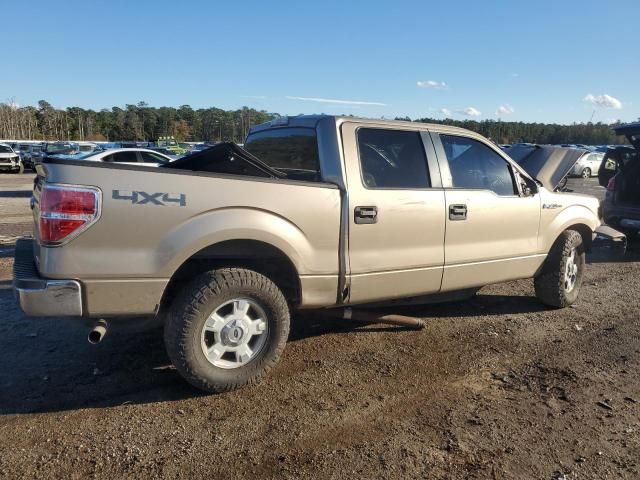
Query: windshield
column 23, row 147
column 5, row 149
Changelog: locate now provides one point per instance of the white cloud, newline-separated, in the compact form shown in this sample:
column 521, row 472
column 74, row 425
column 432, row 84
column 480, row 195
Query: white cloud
column 471, row 112
column 340, row 102
column 515, row 75
column 603, row 101
column 446, row 112
column 505, row 110
column 431, row 84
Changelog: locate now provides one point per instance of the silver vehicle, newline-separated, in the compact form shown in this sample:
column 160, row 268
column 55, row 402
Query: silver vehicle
column 588, row 164
column 129, row 156
column 10, row 160
column 315, row 212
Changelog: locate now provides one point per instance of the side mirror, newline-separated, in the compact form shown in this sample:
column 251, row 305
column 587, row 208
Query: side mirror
column 529, row 187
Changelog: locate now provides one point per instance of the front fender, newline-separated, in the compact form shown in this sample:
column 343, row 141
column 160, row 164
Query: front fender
column 553, row 223
column 215, row 226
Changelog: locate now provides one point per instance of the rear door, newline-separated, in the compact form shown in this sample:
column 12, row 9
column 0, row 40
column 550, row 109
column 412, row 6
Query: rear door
column 396, row 212
column 491, row 227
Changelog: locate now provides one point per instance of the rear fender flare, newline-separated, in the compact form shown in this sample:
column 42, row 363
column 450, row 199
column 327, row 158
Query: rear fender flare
column 213, row 227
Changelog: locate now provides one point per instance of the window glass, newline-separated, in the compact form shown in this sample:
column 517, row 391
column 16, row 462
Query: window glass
column 291, row 150
column 148, row 157
column 474, row 165
column 392, row 159
column 125, row 156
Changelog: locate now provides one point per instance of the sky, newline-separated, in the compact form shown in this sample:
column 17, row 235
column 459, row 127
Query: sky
column 546, row 61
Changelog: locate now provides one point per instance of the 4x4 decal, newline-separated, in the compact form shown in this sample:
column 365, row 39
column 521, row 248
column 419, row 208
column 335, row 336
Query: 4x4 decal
column 145, row 198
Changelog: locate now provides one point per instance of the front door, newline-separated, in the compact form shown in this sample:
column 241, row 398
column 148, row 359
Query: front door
column 491, row 228
column 396, row 213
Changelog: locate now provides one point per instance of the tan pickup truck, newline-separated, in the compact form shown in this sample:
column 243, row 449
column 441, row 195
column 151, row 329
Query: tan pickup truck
column 315, row 212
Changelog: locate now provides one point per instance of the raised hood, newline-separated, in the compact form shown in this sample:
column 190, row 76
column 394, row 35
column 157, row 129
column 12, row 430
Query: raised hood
column 547, row 164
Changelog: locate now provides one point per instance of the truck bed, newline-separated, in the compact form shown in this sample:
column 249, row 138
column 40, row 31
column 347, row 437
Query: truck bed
column 152, row 220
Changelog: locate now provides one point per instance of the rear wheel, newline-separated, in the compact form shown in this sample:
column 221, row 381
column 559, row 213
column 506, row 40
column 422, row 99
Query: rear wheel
column 586, row 172
column 559, row 282
column 227, row 329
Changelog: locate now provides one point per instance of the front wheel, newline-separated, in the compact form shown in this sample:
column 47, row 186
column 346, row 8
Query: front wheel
column 558, row 284
column 586, row 173
column 227, row 329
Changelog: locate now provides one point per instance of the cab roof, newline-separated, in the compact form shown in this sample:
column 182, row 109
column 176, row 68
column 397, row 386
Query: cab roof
column 311, row 121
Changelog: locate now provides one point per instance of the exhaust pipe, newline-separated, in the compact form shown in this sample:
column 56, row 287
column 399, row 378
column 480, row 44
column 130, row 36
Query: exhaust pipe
column 349, row 313
column 98, row 332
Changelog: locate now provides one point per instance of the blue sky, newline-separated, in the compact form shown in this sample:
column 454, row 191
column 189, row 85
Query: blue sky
column 547, row 61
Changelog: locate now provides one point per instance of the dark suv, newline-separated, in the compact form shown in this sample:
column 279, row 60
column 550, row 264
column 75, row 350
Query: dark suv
column 620, row 173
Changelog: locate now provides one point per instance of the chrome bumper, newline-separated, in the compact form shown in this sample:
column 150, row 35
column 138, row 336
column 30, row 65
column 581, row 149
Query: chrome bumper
column 41, row 297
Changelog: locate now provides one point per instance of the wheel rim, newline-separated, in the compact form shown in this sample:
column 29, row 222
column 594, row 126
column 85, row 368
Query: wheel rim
column 586, row 173
column 235, row 333
column 571, row 271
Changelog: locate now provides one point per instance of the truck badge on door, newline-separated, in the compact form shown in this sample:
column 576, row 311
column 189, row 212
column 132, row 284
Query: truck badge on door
column 157, row 198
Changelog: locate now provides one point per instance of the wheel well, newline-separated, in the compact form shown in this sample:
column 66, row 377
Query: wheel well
column 251, row 254
column 586, row 234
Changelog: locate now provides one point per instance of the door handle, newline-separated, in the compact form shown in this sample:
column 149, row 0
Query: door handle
column 457, row 212
column 364, row 215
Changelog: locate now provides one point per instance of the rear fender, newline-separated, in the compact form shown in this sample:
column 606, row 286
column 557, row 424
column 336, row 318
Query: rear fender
column 212, row 227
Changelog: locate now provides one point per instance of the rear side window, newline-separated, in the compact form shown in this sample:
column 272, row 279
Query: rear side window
column 293, row 151
column 475, row 165
column 122, row 157
column 148, row 157
column 392, row 159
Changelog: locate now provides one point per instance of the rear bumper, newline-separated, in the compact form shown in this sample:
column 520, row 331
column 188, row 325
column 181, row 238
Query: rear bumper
column 627, row 217
column 41, row 297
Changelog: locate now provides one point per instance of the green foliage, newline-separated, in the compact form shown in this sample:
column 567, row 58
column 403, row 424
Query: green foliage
column 542, row 133
column 142, row 122
column 134, row 122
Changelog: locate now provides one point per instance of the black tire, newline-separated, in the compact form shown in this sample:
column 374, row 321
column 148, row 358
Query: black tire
column 586, row 173
column 550, row 284
column 191, row 309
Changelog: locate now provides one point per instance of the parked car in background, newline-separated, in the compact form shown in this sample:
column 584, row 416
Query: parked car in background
column 51, row 149
column 620, row 173
column 171, row 145
column 10, row 160
column 587, row 165
column 129, row 156
column 29, row 152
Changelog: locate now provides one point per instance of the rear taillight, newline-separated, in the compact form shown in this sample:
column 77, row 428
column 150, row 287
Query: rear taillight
column 65, row 211
column 611, row 185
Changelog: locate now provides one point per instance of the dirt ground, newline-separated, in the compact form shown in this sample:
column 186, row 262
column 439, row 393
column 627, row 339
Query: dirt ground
column 495, row 387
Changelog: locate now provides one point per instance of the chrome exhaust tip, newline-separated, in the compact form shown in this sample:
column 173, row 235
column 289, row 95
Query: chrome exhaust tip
column 98, row 332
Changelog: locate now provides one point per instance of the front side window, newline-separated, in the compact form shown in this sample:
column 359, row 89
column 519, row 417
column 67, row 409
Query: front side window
column 291, row 150
column 474, row 165
column 392, row 159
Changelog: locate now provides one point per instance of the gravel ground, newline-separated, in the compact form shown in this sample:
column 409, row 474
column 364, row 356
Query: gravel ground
column 495, row 387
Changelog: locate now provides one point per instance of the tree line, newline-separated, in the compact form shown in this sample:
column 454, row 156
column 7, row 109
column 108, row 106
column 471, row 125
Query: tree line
column 542, row 133
column 134, row 122
column 145, row 123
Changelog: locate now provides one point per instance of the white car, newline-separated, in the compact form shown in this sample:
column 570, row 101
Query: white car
column 588, row 165
column 10, row 160
column 129, row 156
